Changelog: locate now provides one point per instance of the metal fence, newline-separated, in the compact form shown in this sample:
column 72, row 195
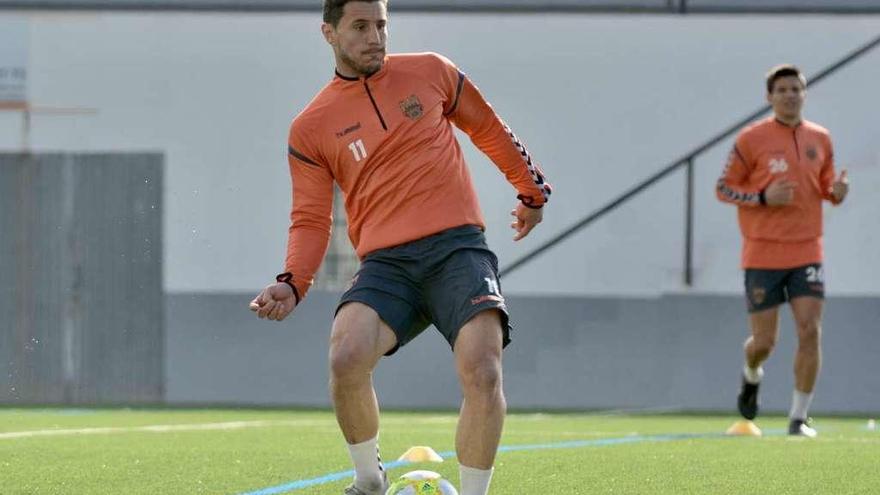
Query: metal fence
column 341, row 262
column 81, row 308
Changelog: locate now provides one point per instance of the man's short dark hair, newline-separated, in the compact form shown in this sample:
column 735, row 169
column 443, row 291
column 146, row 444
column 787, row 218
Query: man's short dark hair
column 333, row 9
column 784, row 70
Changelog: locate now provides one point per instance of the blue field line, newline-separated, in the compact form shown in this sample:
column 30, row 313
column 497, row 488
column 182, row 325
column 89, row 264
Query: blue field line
column 601, row 442
column 329, row 478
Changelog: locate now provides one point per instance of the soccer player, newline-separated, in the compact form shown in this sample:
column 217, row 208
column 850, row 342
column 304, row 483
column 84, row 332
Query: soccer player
column 382, row 130
column 778, row 173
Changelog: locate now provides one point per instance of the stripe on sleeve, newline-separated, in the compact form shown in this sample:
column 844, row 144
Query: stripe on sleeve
column 534, row 170
column 457, row 93
column 299, row 156
column 737, row 196
column 736, row 150
column 730, row 193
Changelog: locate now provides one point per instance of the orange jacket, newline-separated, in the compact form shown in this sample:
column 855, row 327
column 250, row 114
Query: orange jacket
column 387, row 141
column 779, row 237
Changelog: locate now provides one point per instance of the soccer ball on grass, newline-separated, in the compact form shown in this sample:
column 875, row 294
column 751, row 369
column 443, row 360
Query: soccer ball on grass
column 421, row 483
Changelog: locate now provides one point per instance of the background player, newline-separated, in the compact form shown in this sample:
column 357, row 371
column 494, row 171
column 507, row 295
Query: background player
column 778, row 173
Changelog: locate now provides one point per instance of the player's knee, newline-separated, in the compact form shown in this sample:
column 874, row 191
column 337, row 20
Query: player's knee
column 347, row 361
column 809, row 334
column 481, row 377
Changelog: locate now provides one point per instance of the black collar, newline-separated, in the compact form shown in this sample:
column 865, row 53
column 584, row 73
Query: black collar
column 347, row 78
column 789, row 126
column 340, row 76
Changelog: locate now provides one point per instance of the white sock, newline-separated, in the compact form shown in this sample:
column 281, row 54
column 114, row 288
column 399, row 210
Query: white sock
column 800, row 404
column 368, row 470
column 753, row 375
column 474, row 481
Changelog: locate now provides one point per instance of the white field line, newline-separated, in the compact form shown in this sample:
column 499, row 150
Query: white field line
column 229, row 425
column 237, row 425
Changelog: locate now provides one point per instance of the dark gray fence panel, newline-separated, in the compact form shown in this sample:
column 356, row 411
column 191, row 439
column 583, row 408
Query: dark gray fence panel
column 80, row 278
column 31, row 292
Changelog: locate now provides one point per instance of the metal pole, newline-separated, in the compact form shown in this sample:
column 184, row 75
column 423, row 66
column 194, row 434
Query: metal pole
column 70, row 277
column 689, row 224
column 26, row 130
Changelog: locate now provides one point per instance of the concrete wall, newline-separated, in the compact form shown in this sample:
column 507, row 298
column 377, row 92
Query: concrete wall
column 679, row 352
column 601, row 101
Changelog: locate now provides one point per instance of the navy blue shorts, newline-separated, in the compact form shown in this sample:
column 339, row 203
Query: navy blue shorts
column 444, row 279
column 769, row 288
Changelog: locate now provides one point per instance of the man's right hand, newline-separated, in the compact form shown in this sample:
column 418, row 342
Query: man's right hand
column 274, row 302
column 780, row 192
column 525, row 219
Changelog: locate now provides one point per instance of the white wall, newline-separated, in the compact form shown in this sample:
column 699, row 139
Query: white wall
column 601, row 101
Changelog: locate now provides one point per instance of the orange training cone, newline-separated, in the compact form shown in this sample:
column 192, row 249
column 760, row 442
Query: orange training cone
column 744, row 428
column 420, row 454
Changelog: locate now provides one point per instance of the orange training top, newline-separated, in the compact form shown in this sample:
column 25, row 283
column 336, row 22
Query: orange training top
column 779, row 237
column 387, row 140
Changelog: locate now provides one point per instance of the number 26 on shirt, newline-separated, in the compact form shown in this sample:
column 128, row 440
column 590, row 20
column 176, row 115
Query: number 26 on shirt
column 358, row 150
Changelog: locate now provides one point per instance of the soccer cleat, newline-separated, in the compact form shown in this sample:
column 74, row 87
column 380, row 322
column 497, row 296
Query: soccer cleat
column 354, row 490
column 800, row 428
column 747, row 400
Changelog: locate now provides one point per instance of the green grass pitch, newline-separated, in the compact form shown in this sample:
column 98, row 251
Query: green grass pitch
column 180, row 452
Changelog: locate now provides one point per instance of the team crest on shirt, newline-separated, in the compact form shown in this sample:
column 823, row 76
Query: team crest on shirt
column 811, row 153
column 412, row 107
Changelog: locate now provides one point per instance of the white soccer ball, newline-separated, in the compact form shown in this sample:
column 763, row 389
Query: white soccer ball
column 421, row 483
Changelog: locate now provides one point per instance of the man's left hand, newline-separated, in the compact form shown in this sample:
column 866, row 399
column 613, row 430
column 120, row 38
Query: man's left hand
column 526, row 219
column 840, row 187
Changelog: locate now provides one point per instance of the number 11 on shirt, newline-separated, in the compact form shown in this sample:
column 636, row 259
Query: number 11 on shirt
column 358, row 150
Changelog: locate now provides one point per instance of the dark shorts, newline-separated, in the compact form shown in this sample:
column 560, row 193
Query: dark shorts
column 444, row 279
column 769, row 288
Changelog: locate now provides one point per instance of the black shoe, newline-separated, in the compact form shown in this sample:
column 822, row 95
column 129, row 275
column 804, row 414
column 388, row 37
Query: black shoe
column 747, row 400
column 354, row 490
column 801, row 428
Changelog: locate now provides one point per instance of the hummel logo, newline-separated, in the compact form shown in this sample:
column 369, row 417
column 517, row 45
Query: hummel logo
column 348, row 130
column 778, row 165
